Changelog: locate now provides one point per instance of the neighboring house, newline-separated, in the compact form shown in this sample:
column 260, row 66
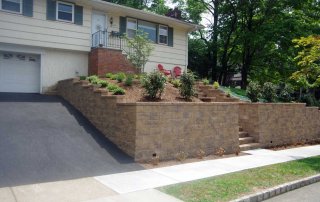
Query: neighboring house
column 44, row 41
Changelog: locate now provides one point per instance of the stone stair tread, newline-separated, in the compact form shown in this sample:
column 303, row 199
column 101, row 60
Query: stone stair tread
column 246, row 140
column 249, row 146
column 243, row 134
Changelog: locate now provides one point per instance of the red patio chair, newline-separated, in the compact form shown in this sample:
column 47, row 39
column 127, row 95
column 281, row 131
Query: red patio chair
column 177, row 71
column 163, row 70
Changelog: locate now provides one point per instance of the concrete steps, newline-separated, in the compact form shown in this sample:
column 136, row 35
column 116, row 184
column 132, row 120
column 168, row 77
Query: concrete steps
column 243, row 134
column 245, row 147
column 246, row 142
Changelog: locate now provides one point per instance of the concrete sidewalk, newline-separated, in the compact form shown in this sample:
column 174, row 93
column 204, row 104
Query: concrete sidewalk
column 153, row 178
column 139, row 185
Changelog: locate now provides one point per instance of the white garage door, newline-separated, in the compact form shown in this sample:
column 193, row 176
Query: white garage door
column 19, row 72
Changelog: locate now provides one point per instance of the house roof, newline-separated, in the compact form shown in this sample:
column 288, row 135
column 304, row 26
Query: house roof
column 141, row 14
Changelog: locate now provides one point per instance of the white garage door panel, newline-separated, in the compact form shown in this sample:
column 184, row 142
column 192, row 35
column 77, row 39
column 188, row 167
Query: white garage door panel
column 19, row 73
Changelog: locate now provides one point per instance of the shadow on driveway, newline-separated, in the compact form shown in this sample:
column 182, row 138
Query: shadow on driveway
column 43, row 138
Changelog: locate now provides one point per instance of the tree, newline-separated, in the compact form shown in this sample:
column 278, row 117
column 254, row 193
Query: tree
column 139, row 49
column 308, row 60
column 156, row 6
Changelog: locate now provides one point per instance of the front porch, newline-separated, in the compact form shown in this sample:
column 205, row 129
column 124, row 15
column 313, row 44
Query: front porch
column 108, row 54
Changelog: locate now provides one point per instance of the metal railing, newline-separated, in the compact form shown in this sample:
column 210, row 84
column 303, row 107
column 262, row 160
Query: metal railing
column 105, row 39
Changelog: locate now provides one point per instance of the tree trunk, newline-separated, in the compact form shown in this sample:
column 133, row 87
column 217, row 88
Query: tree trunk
column 215, row 39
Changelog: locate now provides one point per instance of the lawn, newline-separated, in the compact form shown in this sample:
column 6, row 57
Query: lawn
column 235, row 92
column 235, row 185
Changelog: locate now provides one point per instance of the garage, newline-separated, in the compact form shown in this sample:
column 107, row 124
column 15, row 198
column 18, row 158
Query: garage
column 19, row 72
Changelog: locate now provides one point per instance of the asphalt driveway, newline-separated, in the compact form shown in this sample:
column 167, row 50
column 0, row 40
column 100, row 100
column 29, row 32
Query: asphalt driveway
column 43, row 139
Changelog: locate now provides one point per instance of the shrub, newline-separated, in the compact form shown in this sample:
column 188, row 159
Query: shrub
column 129, row 80
column 109, row 75
column 228, row 94
column 310, row 100
column 286, row 92
column 176, row 83
column 118, row 91
column 102, row 83
column 187, row 85
column 120, row 77
column 205, row 82
column 154, row 84
column 111, row 87
column 82, row 78
column 113, row 77
column 253, row 91
column 92, row 78
column 136, row 76
column 216, row 85
column 269, row 91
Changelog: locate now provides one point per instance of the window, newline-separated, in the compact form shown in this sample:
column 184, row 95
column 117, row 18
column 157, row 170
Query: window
column 11, row 5
column 149, row 28
column 131, row 27
column 65, row 11
column 163, row 34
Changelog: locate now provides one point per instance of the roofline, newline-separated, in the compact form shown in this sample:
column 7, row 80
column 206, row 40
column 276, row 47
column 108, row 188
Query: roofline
column 193, row 27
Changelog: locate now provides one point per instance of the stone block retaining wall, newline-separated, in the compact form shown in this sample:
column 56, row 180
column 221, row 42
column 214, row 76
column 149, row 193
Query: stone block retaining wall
column 279, row 123
column 165, row 129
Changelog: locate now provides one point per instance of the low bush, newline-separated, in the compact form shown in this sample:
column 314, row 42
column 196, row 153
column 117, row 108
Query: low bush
column 216, row 85
column 154, row 84
column 92, row 78
column 120, row 77
column 109, row 75
column 286, row 93
column 129, row 80
column 111, row 87
column 187, row 85
column 176, row 83
column 118, row 91
column 102, row 83
column 82, row 78
column 310, row 100
column 137, row 76
column 253, row 91
column 205, row 82
column 113, row 77
column 269, row 92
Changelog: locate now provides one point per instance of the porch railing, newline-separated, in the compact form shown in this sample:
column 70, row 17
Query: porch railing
column 113, row 40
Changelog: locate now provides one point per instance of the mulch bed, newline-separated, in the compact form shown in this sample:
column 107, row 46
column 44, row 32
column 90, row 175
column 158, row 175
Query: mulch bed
column 135, row 93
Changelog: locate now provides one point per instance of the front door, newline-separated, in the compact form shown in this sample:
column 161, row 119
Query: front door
column 98, row 28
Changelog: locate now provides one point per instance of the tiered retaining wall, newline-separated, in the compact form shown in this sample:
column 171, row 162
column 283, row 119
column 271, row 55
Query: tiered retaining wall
column 166, row 129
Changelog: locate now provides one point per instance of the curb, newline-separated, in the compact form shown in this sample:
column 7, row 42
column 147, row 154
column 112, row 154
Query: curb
column 278, row 190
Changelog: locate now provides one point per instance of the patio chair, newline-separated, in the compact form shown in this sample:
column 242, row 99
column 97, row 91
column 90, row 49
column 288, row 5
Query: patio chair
column 163, row 70
column 177, row 72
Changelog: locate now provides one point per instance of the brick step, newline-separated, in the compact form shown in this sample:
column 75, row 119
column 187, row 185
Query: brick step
column 250, row 146
column 207, row 99
column 246, row 140
column 243, row 134
column 240, row 129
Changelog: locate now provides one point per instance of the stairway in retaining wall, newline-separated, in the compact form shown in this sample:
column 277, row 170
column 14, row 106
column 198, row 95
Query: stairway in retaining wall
column 247, row 142
column 207, row 93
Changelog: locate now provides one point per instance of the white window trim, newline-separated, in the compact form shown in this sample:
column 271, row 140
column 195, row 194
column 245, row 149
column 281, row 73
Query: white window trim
column 133, row 19
column 57, row 11
column 21, row 2
column 163, row 35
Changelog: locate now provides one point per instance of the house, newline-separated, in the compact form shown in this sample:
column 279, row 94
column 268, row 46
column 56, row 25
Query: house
column 44, row 41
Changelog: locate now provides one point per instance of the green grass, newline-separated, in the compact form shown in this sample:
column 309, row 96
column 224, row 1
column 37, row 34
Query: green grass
column 235, row 185
column 238, row 91
column 235, row 92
